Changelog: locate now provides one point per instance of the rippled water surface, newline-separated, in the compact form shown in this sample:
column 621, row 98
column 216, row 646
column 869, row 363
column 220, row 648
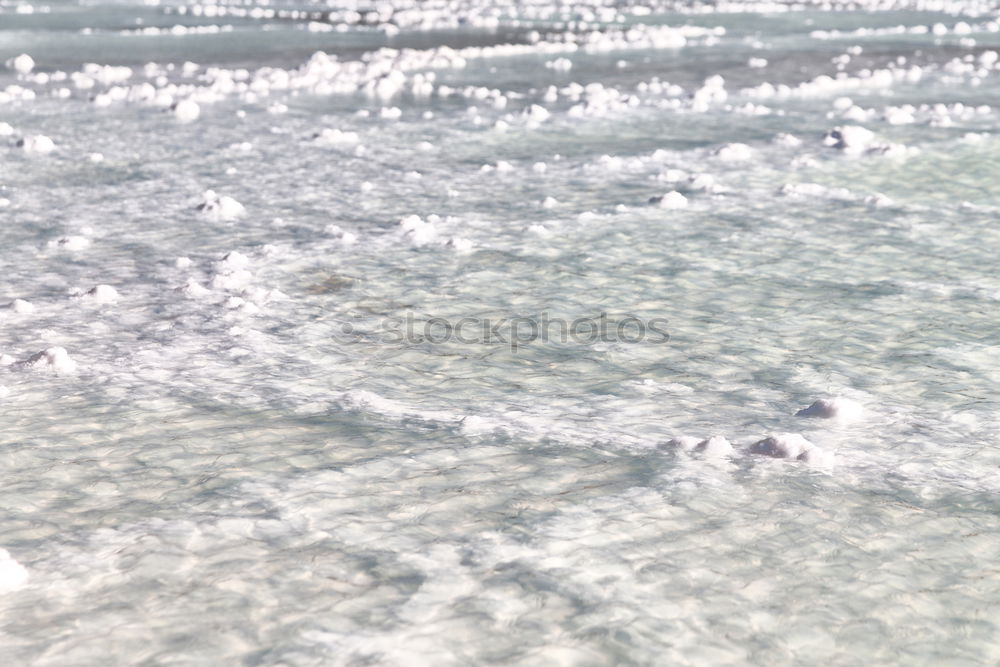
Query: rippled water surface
column 273, row 385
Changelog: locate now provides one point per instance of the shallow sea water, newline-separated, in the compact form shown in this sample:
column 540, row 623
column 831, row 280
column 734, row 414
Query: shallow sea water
column 246, row 464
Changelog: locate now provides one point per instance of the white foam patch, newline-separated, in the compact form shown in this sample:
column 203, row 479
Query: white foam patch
column 335, row 137
column 72, row 242
column 220, row 208
column 187, row 111
column 851, row 139
column 101, row 294
column 22, row 64
column 704, row 183
column 673, row 200
column 472, row 502
column 460, row 245
column 37, row 144
column 793, row 446
column 684, row 443
column 716, row 446
column 13, row 575
column 734, row 152
column 22, row 307
column 194, row 289
column 839, row 408
column 55, row 359
column 878, row 200
column 420, row 232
